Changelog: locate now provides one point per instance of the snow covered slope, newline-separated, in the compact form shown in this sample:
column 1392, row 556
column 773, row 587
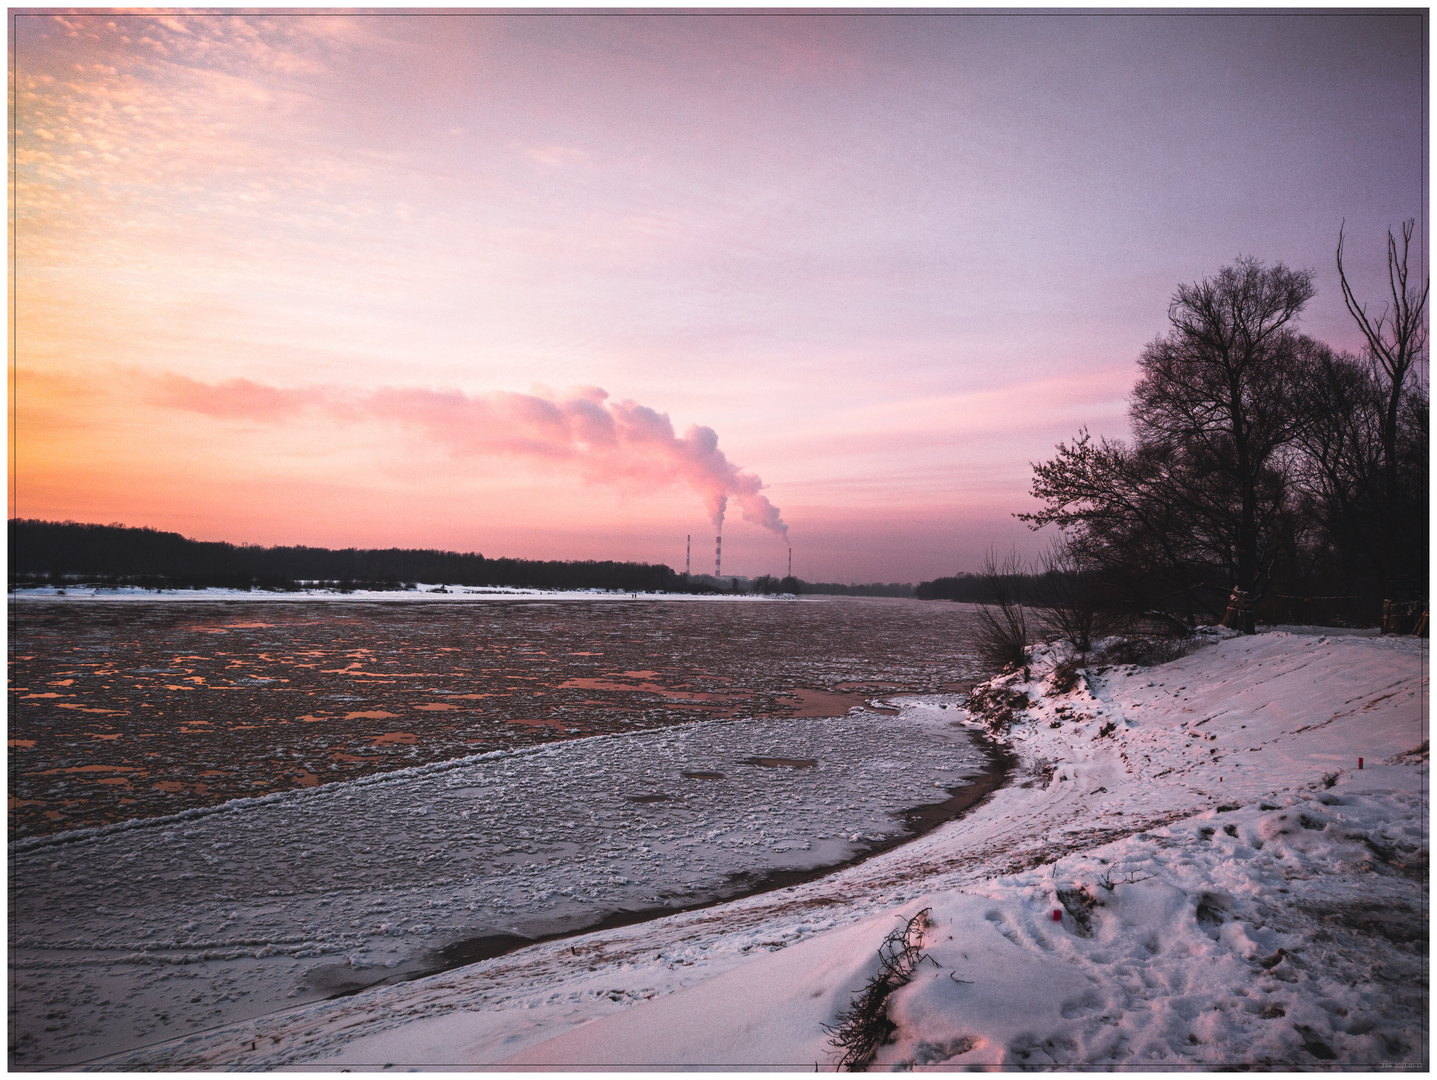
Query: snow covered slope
column 1229, row 889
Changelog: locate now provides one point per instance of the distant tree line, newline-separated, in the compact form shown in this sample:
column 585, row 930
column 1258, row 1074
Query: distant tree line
column 1269, row 475
column 877, row 588
column 67, row 553
column 968, row 588
column 769, row 585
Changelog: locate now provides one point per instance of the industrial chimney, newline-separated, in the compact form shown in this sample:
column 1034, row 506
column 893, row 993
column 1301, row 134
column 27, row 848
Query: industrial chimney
column 718, row 555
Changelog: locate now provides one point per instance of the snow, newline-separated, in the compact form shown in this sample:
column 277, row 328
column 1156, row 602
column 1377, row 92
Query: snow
column 233, row 911
column 1205, row 942
column 1231, row 889
column 424, row 592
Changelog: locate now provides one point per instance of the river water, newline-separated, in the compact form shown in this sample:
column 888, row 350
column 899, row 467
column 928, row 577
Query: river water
column 126, row 709
column 219, row 810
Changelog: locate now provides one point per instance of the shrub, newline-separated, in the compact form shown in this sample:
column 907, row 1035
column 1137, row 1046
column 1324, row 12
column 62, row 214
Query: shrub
column 1145, row 650
column 1002, row 629
column 1068, row 594
column 865, row 1025
column 1065, row 676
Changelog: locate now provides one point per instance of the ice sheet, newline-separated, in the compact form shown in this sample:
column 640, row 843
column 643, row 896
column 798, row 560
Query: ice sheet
column 134, row 932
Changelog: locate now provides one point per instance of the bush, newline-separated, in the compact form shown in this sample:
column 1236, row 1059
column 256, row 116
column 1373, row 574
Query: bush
column 1145, row 650
column 1002, row 628
column 865, row 1025
column 1068, row 594
column 1065, row 676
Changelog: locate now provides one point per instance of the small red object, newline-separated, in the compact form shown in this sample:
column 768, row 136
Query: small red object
column 1359, row 763
column 1057, row 914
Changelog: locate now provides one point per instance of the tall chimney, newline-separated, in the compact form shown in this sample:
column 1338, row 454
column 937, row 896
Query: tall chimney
column 790, row 562
column 688, row 549
column 718, row 555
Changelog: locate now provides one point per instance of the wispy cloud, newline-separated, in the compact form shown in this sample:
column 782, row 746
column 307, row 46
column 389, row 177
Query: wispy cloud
column 136, row 120
column 237, row 399
column 557, row 157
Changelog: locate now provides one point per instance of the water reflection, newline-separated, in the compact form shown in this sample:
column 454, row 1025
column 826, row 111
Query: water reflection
column 121, row 710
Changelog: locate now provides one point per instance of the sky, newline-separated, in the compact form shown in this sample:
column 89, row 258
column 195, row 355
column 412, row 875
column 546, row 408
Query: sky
column 584, row 285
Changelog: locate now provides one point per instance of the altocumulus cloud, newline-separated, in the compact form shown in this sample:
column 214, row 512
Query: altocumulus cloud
column 617, row 442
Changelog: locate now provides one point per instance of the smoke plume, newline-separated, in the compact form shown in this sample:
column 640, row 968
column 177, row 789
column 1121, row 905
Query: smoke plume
column 617, row 442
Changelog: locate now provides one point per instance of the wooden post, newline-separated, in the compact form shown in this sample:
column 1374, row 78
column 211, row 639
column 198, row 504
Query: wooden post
column 1239, row 615
column 1404, row 617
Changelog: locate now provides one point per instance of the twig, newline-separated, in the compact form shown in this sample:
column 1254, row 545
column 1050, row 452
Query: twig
column 865, row 1025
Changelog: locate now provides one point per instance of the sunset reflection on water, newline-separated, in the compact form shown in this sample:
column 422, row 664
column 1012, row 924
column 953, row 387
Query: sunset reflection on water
column 131, row 709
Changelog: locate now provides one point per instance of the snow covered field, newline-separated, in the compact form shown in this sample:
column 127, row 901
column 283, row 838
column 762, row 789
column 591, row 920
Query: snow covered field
column 130, row 933
column 1230, row 888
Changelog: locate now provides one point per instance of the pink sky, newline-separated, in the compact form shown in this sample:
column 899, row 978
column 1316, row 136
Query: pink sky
column 562, row 286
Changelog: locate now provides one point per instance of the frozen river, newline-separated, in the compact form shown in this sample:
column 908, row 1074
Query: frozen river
column 137, row 929
column 123, row 707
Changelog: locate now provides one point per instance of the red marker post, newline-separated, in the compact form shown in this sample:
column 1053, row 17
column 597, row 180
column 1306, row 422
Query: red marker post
column 1359, row 764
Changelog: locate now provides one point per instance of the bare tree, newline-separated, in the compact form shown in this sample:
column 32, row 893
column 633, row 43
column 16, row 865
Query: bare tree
column 1067, row 592
column 1339, row 470
column 1220, row 387
column 1261, row 458
column 1002, row 621
column 1127, row 513
column 1396, row 347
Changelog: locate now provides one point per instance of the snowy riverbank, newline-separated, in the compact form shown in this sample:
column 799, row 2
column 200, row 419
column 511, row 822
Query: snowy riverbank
column 1231, row 889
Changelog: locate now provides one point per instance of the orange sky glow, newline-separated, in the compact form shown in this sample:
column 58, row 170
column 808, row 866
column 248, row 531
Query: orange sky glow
column 579, row 286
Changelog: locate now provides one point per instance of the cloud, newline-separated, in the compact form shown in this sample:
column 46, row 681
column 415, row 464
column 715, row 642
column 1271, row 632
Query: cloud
column 238, row 399
column 621, row 443
column 557, row 157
